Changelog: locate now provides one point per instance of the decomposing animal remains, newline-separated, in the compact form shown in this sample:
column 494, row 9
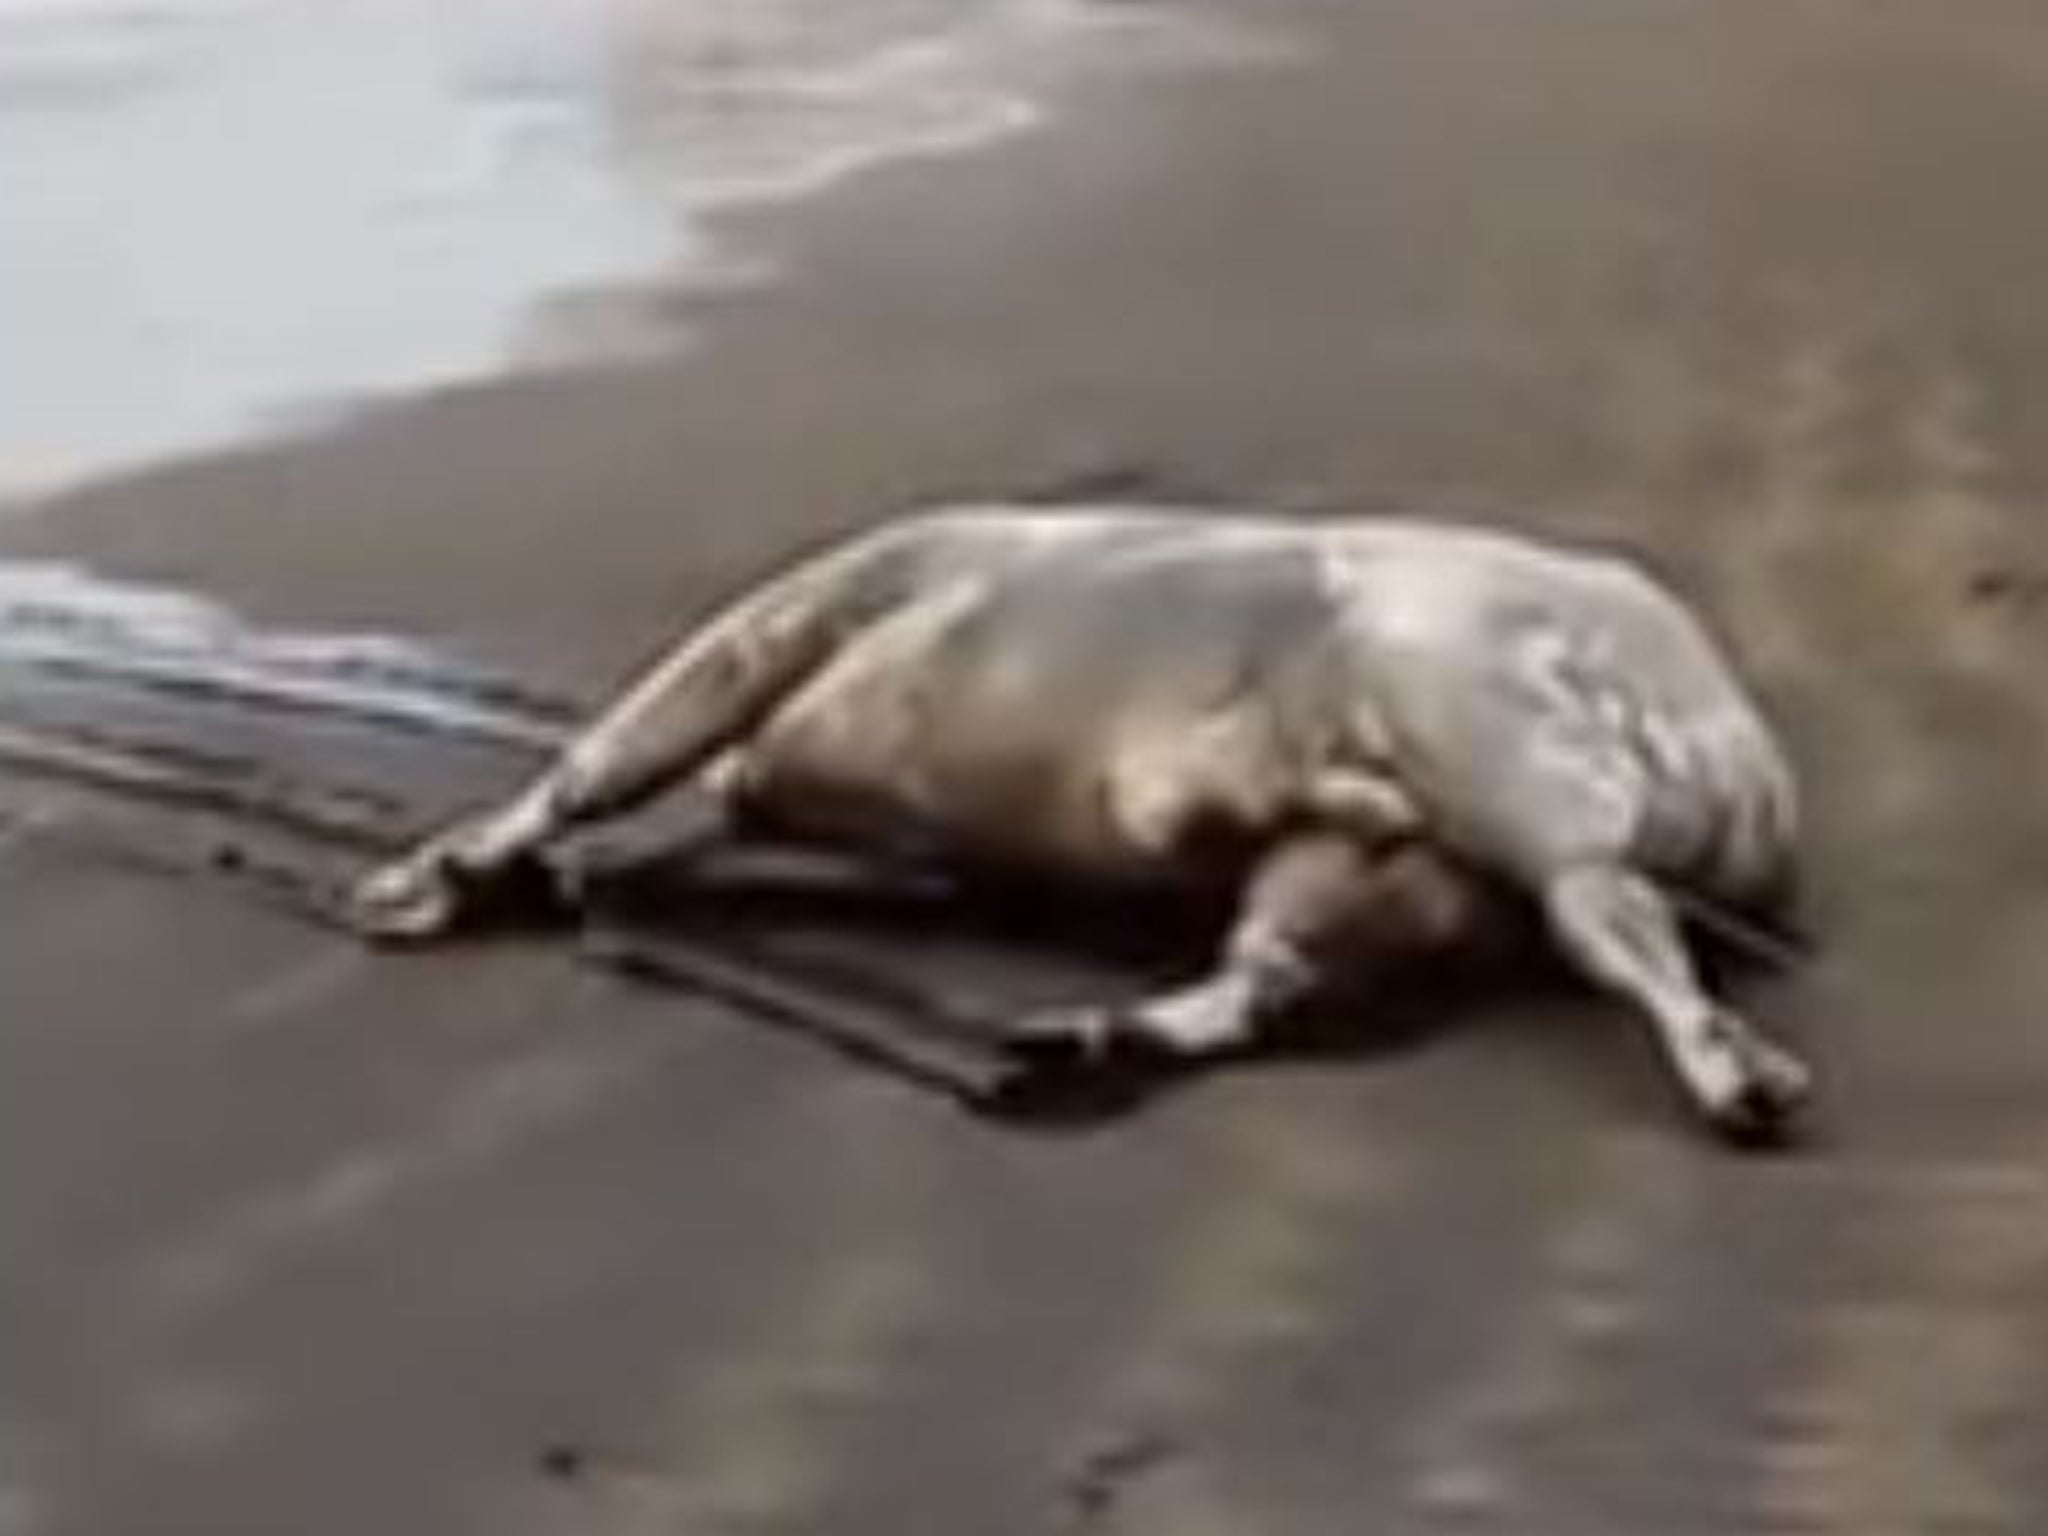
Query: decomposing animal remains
column 1362, row 725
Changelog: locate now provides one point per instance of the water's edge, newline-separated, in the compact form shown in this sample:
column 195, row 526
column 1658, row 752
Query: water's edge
column 249, row 216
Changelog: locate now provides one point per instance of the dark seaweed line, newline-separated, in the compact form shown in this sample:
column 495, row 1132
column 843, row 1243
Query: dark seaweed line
column 881, row 989
column 449, row 715
column 181, row 756
column 879, row 1021
column 163, row 774
column 451, row 679
column 754, row 983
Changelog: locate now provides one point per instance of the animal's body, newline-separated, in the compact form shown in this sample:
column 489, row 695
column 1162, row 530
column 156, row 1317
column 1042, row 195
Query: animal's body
column 1355, row 722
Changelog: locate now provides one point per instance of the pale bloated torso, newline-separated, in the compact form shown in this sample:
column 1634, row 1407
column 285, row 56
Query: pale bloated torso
column 1102, row 691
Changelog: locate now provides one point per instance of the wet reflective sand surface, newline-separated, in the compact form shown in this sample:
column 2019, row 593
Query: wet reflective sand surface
column 297, row 1237
column 227, row 216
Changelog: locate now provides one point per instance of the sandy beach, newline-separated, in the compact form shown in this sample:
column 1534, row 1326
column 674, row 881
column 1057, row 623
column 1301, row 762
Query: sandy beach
column 297, row 1237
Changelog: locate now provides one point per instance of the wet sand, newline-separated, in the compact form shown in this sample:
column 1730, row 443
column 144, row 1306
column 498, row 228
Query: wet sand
column 300, row 1238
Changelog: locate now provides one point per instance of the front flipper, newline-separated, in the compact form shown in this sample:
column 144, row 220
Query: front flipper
column 1208, row 1018
column 408, row 901
column 1061, row 1041
column 429, row 895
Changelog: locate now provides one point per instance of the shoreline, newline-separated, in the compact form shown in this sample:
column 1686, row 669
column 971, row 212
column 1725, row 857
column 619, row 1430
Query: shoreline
column 543, row 164
column 302, row 524
column 301, row 1237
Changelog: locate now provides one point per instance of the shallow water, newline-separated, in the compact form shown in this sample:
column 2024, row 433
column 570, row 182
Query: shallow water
column 79, row 650
column 233, row 213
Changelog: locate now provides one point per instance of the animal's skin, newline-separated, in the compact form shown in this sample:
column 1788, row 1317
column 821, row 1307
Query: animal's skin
column 1361, row 723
